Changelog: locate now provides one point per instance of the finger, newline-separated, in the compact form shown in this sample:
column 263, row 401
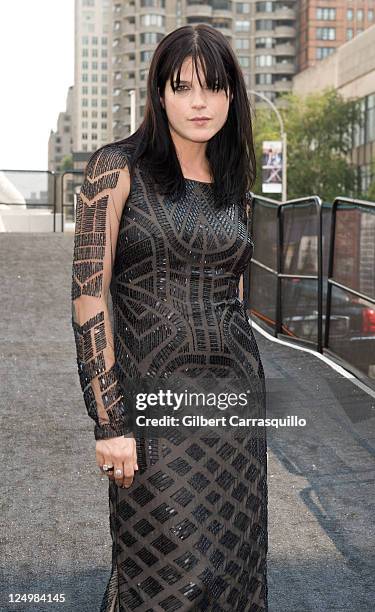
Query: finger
column 135, row 458
column 118, row 472
column 129, row 462
column 108, row 461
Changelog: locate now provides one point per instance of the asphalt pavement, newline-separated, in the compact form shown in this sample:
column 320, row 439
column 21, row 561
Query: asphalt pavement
column 55, row 537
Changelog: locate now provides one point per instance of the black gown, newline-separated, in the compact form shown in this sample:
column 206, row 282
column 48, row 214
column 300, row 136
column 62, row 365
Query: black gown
column 191, row 531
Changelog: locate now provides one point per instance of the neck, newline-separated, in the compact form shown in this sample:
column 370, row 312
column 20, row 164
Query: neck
column 191, row 155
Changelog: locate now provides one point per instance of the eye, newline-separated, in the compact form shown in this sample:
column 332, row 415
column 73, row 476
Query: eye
column 178, row 88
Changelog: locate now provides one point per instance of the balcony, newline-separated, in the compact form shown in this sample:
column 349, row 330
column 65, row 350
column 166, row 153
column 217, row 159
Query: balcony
column 285, row 49
column 285, row 31
column 284, row 68
column 199, row 10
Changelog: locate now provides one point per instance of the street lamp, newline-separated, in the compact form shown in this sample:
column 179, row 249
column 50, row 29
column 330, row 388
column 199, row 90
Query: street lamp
column 283, row 140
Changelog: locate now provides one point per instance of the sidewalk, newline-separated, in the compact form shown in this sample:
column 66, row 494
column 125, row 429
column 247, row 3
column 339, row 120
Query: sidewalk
column 55, row 529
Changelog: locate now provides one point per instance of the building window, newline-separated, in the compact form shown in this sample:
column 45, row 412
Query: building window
column 146, row 56
column 244, row 61
column 326, row 14
column 326, row 33
column 242, row 26
column 370, row 15
column 322, row 52
column 264, row 42
column 242, row 8
column 263, row 79
column 242, row 43
column 264, row 24
column 349, row 33
column 264, row 7
column 359, row 15
column 157, row 20
column 150, row 38
column 349, row 14
column 263, row 60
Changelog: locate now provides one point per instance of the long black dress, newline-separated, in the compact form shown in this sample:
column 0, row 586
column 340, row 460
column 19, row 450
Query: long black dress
column 191, row 531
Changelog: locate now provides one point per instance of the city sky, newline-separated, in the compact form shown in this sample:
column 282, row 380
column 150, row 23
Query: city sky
column 37, row 68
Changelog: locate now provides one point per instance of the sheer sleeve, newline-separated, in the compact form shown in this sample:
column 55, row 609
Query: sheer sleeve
column 102, row 196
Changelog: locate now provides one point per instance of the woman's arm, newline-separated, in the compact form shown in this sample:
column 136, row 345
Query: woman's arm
column 103, row 194
column 247, row 208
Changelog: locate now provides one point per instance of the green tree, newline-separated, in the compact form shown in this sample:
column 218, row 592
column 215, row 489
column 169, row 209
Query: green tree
column 66, row 164
column 319, row 131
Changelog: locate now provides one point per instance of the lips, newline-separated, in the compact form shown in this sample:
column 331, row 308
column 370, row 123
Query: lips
column 200, row 119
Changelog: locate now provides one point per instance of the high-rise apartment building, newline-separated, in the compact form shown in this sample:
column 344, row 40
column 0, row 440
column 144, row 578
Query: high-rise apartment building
column 324, row 25
column 92, row 75
column 262, row 35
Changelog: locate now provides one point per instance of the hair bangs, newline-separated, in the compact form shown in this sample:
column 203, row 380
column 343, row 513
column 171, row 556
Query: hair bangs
column 211, row 64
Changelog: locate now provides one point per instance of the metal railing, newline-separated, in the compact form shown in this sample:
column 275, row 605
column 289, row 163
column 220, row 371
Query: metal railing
column 288, row 287
column 37, row 200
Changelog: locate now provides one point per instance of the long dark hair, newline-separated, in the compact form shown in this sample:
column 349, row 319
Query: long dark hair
column 230, row 152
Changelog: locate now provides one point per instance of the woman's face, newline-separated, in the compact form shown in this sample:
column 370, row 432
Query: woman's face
column 191, row 100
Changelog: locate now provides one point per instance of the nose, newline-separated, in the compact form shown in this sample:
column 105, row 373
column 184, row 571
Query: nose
column 198, row 98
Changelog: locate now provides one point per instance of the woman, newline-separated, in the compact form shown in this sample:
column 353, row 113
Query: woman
column 162, row 222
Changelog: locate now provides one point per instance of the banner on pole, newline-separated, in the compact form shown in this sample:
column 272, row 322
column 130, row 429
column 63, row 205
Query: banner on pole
column 272, row 166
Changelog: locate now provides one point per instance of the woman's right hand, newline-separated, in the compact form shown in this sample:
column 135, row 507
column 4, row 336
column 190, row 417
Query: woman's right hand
column 120, row 452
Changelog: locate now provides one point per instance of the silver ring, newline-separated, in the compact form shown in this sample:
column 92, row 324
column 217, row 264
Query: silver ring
column 118, row 471
column 107, row 468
